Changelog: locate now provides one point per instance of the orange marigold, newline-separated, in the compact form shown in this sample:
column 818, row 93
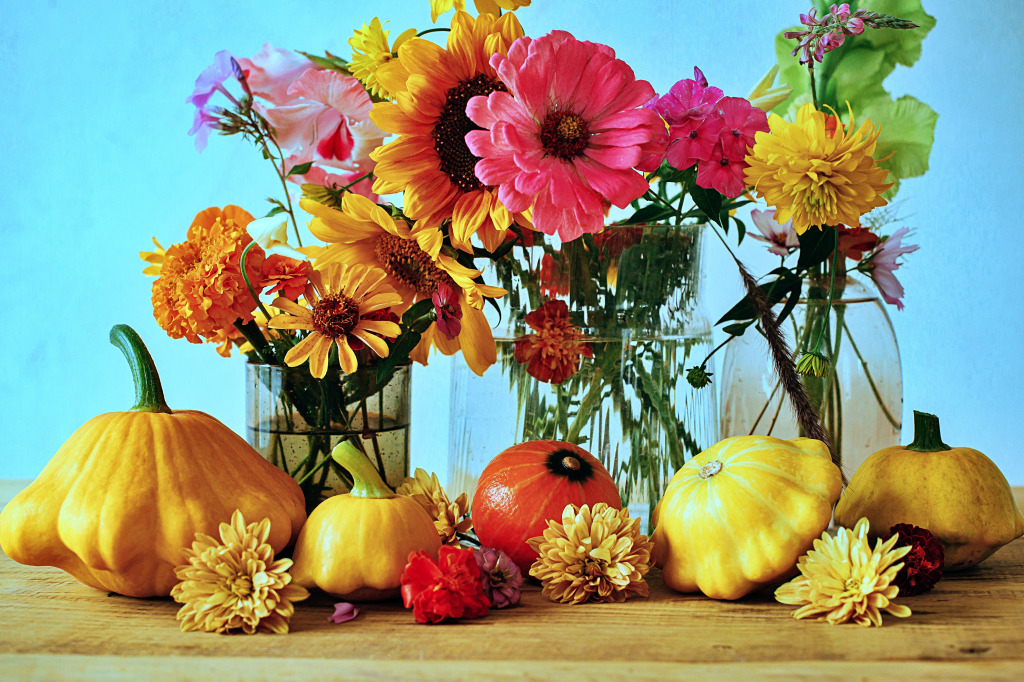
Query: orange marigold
column 200, row 291
column 552, row 353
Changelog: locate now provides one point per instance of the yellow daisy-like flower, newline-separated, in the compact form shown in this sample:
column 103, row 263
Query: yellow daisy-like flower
column 235, row 584
column 450, row 518
column 430, row 161
column 842, row 579
column 816, row 176
column 439, row 7
column 345, row 304
column 154, row 258
column 363, row 232
column 370, row 51
column 598, row 556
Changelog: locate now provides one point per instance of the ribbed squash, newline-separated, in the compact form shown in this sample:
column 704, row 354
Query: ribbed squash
column 128, row 490
column 356, row 545
column 737, row 516
column 958, row 494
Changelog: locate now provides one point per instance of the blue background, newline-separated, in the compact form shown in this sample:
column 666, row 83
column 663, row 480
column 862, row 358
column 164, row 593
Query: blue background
column 95, row 161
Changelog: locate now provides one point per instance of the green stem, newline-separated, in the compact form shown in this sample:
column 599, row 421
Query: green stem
column 149, row 394
column 871, row 381
column 831, row 291
column 926, row 434
column 366, row 481
column 245, row 278
column 432, row 30
column 251, row 331
column 283, row 175
column 814, row 89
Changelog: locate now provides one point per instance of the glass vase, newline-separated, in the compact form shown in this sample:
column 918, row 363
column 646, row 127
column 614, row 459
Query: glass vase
column 295, row 420
column 635, row 296
column 860, row 401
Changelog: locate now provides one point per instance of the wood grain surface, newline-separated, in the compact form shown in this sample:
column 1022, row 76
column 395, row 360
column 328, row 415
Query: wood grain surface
column 970, row 627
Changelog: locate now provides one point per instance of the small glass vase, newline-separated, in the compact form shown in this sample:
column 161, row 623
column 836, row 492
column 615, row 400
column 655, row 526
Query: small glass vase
column 636, row 298
column 860, row 401
column 295, row 420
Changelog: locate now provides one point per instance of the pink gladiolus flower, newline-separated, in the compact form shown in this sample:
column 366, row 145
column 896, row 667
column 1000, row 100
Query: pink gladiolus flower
column 271, row 72
column 209, row 81
column 566, row 138
column 783, row 238
column 449, row 313
column 882, row 262
column 500, row 576
column 327, row 121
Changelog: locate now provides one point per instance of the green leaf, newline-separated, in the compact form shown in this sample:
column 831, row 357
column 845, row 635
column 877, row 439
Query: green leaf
column 737, row 328
column 741, row 230
column 650, row 213
column 709, row 201
column 908, row 131
column 274, row 211
column 815, row 246
column 329, row 62
column 301, row 169
column 417, row 311
column 785, row 283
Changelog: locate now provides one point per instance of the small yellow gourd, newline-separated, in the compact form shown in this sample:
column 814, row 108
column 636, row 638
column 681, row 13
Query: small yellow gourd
column 128, row 490
column 356, row 545
column 958, row 494
column 737, row 516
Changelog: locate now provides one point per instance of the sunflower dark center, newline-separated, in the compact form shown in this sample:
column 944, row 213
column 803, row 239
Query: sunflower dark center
column 456, row 161
column 411, row 265
column 335, row 316
column 564, row 134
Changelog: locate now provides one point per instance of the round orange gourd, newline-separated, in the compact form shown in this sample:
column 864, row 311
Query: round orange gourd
column 737, row 516
column 356, row 545
column 128, row 490
column 958, row 494
column 530, row 483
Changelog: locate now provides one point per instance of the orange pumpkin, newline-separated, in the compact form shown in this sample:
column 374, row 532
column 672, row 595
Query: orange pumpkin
column 530, row 483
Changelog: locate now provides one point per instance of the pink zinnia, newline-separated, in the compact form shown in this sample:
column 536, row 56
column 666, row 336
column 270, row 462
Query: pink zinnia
column 881, row 264
column 567, row 136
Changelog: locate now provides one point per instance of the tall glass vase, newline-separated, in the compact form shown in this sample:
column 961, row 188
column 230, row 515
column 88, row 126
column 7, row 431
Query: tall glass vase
column 634, row 293
column 860, row 400
column 294, row 420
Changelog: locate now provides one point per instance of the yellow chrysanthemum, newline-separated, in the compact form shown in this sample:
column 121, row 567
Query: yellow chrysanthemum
column 235, row 584
column 345, row 304
column 363, row 232
column 154, row 258
column 598, row 556
column 439, row 7
column 842, row 579
column 816, row 176
column 370, row 51
column 430, row 161
column 450, row 518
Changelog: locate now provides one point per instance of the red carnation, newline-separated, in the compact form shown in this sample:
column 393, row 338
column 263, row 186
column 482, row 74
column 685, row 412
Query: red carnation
column 922, row 566
column 445, row 590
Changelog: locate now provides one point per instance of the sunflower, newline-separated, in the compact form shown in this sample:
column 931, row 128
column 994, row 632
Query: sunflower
column 370, row 50
column 345, row 306
column 815, row 175
column 363, row 232
column 430, row 161
column 439, row 7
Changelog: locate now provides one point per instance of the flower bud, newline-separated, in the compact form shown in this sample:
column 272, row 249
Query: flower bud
column 698, row 377
column 813, row 365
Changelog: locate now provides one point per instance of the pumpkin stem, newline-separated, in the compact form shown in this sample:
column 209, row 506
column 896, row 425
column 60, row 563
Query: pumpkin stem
column 366, row 480
column 149, row 394
column 926, row 434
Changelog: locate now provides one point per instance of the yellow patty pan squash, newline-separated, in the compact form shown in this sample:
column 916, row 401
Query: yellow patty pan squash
column 356, row 545
column 957, row 493
column 737, row 516
column 128, row 490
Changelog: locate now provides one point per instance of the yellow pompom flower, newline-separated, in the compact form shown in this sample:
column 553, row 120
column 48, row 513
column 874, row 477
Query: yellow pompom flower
column 814, row 174
column 235, row 584
column 842, row 579
column 370, row 51
column 450, row 518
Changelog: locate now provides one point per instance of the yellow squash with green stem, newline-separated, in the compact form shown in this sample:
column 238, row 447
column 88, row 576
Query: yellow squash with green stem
column 356, row 545
column 958, row 494
column 128, row 490
column 737, row 516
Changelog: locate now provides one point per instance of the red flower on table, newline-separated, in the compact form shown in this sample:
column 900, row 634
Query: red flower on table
column 922, row 566
column 552, row 353
column 444, row 590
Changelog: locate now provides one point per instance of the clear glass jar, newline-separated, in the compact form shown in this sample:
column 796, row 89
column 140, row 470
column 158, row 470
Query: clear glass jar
column 860, row 401
column 636, row 297
column 294, row 420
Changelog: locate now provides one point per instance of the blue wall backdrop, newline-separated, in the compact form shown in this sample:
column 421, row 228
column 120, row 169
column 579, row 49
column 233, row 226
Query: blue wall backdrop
column 95, row 161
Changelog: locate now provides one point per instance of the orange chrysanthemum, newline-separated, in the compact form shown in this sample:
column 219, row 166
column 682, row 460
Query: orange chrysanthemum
column 363, row 232
column 552, row 353
column 430, row 161
column 345, row 310
column 200, row 292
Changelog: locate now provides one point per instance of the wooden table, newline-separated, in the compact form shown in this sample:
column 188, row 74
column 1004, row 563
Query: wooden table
column 971, row 626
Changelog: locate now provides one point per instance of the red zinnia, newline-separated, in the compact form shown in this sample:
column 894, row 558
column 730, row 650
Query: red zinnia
column 552, row 353
column 446, row 590
column 922, row 566
column 288, row 275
